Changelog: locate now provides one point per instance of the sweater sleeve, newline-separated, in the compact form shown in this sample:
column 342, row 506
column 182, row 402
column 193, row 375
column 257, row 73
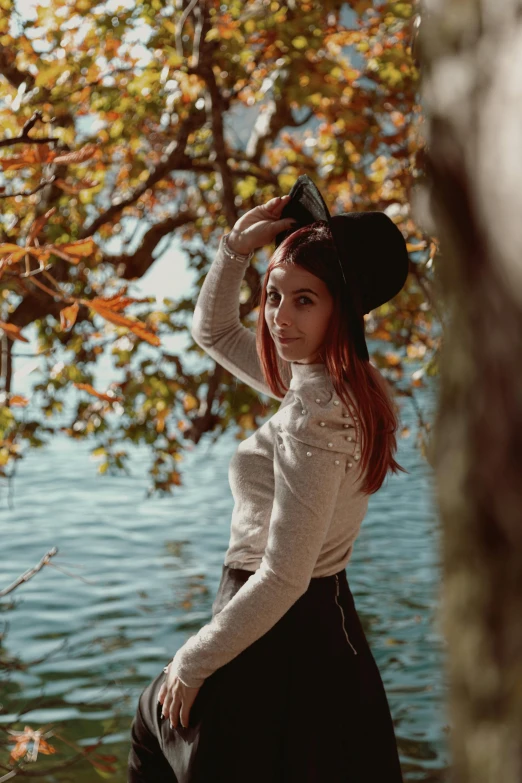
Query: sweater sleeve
column 217, row 329
column 311, row 457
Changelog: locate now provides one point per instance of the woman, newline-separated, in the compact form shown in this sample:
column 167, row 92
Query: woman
column 281, row 684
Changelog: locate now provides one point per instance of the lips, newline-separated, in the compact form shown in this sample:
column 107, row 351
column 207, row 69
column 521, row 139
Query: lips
column 286, row 340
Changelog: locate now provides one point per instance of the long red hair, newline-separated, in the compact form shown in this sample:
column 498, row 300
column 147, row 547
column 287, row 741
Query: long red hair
column 312, row 248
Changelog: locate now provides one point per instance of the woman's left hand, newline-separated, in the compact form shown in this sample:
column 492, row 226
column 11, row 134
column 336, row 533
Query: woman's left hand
column 176, row 698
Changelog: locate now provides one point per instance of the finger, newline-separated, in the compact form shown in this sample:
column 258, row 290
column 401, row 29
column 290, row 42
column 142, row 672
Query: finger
column 276, row 204
column 283, row 225
column 167, row 704
column 162, row 692
column 184, row 716
column 174, row 712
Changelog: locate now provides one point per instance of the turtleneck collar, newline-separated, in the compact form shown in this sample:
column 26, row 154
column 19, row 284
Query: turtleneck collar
column 306, row 373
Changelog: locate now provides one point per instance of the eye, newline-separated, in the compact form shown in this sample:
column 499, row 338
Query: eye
column 307, row 299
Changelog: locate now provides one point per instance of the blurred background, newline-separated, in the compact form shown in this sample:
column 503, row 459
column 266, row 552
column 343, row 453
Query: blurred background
column 134, row 134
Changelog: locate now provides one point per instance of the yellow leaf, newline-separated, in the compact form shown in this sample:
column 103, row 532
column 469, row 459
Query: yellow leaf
column 46, row 76
column 190, row 402
column 74, row 251
column 300, row 42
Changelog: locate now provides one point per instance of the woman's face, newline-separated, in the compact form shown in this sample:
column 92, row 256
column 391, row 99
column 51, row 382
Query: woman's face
column 298, row 305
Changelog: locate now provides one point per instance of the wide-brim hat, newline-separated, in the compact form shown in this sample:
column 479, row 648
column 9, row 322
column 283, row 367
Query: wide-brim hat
column 370, row 248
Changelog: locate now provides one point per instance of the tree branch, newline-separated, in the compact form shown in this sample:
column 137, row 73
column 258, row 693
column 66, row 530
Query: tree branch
column 173, row 158
column 30, row 572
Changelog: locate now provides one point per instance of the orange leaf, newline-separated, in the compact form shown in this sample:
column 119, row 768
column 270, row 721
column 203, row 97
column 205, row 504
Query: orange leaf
column 381, row 334
column 190, row 402
column 13, row 332
column 22, row 740
column 91, row 390
column 15, row 253
column 393, row 359
column 74, row 251
column 37, row 226
column 29, row 157
column 68, row 316
column 18, row 401
column 139, row 328
column 74, row 188
column 141, row 331
column 117, row 302
column 9, row 247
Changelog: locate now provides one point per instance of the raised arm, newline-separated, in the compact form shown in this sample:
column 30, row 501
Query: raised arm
column 217, row 329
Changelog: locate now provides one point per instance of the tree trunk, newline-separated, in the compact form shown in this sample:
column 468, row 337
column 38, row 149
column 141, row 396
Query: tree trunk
column 471, row 59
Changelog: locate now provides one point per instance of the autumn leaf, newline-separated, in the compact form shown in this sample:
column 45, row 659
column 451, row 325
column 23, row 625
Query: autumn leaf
column 141, row 331
column 37, row 226
column 22, row 739
column 135, row 326
column 13, row 332
column 160, row 419
column 18, row 401
column 91, row 390
column 74, row 188
column 73, row 251
column 31, row 156
column 13, row 253
column 393, row 359
column 68, row 316
column 381, row 334
column 190, row 402
column 118, row 301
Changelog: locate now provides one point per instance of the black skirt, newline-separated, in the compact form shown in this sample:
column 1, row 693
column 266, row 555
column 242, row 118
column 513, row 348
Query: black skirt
column 305, row 703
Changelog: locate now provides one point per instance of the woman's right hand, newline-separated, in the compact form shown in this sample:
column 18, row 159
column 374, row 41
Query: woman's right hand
column 259, row 226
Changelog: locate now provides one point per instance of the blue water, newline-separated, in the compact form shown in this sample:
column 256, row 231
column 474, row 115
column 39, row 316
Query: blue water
column 142, row 576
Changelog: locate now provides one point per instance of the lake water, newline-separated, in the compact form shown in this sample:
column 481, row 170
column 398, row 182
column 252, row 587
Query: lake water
column 144, row 576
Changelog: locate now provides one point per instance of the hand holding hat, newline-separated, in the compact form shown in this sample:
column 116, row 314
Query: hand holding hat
column 259, row 226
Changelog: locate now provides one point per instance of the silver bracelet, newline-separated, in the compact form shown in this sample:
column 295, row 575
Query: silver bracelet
column 231, row 254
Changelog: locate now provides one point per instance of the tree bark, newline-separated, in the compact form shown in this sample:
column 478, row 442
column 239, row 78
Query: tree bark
column 471, row 55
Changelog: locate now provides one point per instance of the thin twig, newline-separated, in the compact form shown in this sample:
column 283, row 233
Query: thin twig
column 30, row 572
column 25, row 193
column 24, row 138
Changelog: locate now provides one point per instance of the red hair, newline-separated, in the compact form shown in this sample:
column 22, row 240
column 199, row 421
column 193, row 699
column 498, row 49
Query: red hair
column 312, row 248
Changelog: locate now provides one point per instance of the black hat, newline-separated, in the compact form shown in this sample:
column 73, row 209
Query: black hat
column 371, row 252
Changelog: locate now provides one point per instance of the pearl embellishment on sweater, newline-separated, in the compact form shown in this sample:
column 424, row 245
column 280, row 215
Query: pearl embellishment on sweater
column 318, row 400
column 330, row 445
column 349, row 464
column 308, row 453
column 346, row 415
column 349, row 438
column 346, row 426
column 336, row 402
column 321, row 424
column 336, row 461
column 303, row 411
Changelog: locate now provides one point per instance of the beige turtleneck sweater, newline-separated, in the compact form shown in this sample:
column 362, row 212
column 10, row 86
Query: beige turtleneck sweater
column 295, row 482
